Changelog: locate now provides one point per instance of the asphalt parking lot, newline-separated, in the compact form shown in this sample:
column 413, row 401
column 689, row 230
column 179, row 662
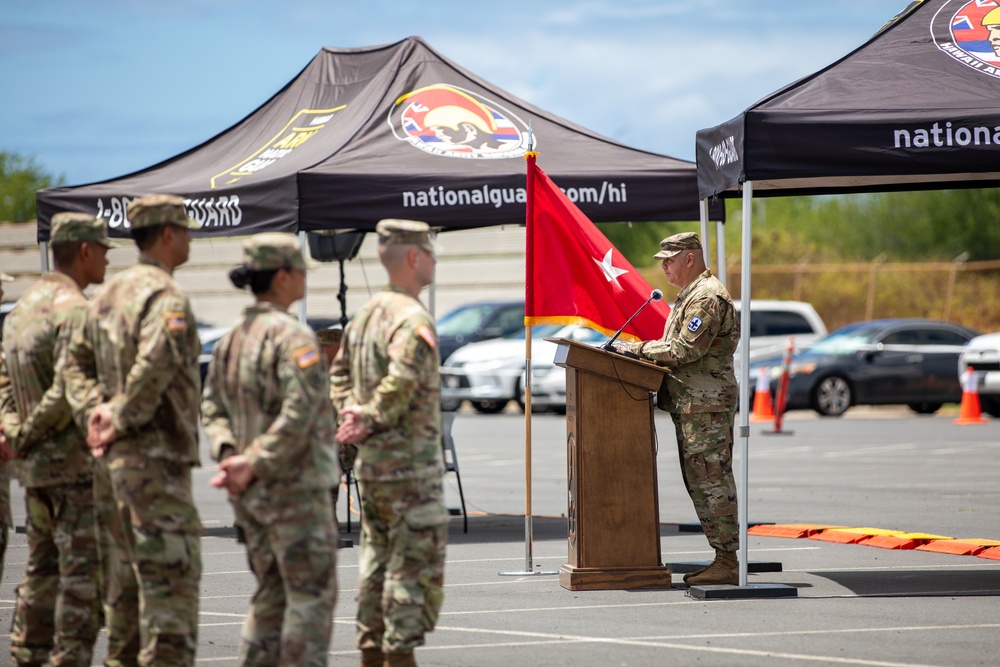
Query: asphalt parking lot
column 856, row 605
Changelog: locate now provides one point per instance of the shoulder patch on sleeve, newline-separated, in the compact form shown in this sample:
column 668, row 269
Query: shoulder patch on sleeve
column 425, row 332
column 694, row 324
column 176, row 320
column 306, row 356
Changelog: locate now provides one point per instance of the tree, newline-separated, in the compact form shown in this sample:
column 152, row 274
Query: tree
column 904, row 226
column 20, row 178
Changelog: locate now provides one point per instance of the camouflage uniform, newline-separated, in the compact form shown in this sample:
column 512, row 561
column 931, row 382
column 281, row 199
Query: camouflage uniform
column 138, row 351
column 700, row 392
column 389, row 365
column 55, row 470
column 6, row 521
column 266, row 398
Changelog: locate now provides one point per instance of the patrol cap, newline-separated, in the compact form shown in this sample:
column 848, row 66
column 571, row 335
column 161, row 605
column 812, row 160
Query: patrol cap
column 273, row 250
column 672, row 245
column 152, row 210
column 393, row 231
column 331, row 336
column 5, row 278
column 73, row 226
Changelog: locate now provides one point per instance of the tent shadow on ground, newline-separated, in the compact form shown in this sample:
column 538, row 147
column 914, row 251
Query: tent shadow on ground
column 490, row 528
column 483, row 528
column 916, row 583
column 502, row 528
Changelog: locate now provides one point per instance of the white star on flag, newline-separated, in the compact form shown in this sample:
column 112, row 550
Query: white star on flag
column 610, row 272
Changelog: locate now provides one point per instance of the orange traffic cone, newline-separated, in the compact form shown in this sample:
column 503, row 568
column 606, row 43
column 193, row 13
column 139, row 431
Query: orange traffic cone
column 970, row 412
column 763, row 409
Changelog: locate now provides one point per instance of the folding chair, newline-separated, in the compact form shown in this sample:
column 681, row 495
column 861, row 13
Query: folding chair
column 451, row 460
column 349, row 479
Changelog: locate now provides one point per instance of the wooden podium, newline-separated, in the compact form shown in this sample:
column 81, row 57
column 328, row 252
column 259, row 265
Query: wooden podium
column 613, row 509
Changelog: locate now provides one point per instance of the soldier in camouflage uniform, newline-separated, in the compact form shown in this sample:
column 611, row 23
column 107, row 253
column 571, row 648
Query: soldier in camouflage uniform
column 700, row 392
column 267, row 414
column 58, row 608
column 6, row 521
column 386, row 387
column 132, row 380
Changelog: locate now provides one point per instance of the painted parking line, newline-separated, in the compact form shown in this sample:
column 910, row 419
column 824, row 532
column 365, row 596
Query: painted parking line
column 659, row 644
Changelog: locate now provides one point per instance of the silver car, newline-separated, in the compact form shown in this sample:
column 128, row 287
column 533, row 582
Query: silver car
column 489, row 374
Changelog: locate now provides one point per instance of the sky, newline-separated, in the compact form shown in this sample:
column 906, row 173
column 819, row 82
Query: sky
column 98, row 89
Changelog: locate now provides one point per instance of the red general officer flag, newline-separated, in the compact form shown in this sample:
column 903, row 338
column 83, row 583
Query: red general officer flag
column 573, row 273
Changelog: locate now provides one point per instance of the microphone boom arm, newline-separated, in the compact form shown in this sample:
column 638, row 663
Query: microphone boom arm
column 655, row 295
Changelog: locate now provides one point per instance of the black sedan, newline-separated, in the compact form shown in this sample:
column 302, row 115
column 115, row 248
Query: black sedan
column 880, row 362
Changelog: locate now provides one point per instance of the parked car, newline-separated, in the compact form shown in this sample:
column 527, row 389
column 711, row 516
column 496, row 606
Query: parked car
column 317, row 323
column 488, row 374
column 983, row 355
column 881, row 362
column 548, row 383
column 208, row 336
column 474, row 322
column 772, row 323
column 5, row 308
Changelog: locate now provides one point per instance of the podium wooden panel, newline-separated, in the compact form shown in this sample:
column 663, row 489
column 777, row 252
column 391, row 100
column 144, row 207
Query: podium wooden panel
column 613, row 506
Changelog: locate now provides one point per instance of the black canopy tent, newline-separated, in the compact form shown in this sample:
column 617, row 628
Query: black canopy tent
column 915, row 107
column 391, row 131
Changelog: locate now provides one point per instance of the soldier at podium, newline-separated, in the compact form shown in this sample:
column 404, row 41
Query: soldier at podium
column 701, row 395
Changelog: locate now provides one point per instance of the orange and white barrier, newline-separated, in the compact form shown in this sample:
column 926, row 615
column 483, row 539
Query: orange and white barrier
column 763, row 409
column 970, row 412
column 782, row 398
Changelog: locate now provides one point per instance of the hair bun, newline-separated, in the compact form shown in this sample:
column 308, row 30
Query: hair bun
column 240, row 276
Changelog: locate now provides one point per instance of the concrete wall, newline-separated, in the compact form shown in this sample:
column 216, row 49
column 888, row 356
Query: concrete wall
column 472, row 265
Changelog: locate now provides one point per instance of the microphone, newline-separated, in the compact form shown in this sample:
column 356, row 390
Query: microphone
column 655, row 295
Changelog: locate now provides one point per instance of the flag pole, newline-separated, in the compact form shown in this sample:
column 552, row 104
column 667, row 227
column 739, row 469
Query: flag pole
column 529, row 288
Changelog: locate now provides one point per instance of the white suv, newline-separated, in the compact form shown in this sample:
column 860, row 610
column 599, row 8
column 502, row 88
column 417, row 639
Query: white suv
column 983, row 354
column 772, row 323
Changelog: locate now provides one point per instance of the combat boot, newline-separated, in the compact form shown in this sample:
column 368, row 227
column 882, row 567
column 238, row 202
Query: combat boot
column 371, row 657
column 399, row 660
column 689, row 575
column 725, row 569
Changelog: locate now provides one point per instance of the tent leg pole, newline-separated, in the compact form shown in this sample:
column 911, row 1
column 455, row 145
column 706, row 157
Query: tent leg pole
column 432, row 294
column 302, row 302
column 342, row 296
column 744, row 427
column 44, row 258
column 720, row 250
column 703, row 217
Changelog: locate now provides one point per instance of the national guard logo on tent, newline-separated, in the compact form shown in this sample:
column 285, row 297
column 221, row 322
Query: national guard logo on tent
column 969, row 32
column 299, row 129
column 694, row 324
column 446, row 120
